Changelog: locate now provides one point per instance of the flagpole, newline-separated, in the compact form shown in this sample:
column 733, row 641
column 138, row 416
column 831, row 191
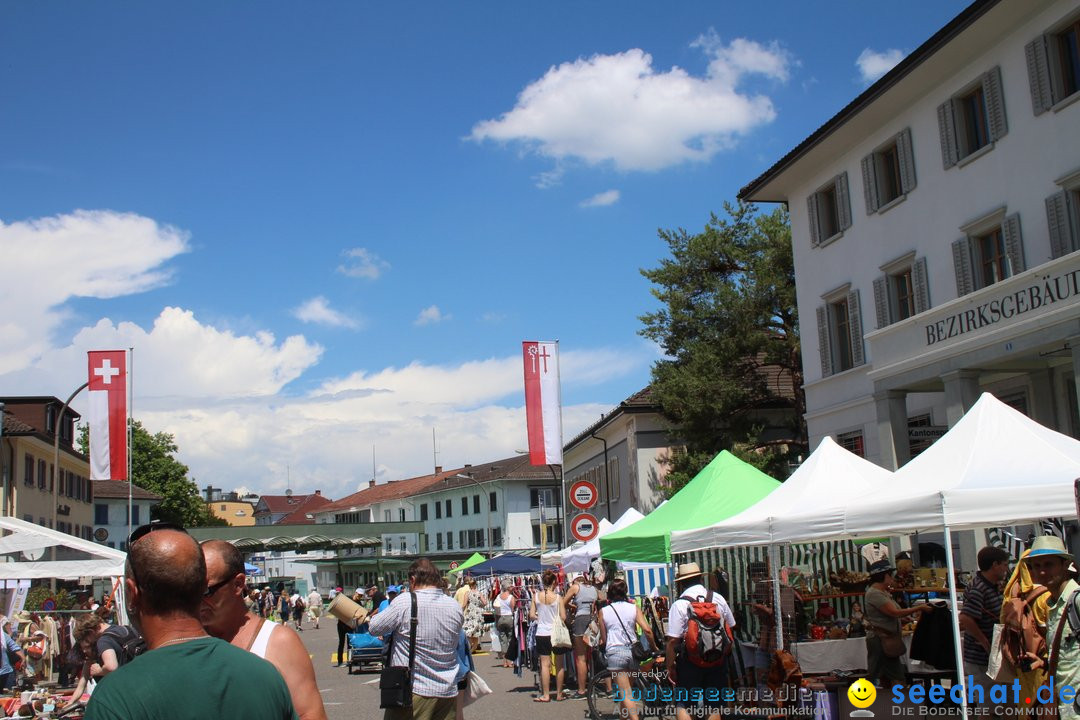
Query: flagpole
column 127, row 435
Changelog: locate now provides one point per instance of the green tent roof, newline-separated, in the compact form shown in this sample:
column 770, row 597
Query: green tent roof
column 476, row 559
column 724, row 487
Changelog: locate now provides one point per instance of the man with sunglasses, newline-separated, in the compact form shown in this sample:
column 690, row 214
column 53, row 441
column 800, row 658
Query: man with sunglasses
column 185, row 673
column 225, row 616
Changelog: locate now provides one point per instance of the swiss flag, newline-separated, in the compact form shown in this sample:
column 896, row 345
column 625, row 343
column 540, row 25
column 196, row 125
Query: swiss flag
column 107, row 416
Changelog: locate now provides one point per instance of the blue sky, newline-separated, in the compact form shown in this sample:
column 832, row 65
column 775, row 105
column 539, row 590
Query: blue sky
column 328, row 226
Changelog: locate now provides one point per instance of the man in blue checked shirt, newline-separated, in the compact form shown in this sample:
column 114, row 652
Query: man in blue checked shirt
column 10, row 653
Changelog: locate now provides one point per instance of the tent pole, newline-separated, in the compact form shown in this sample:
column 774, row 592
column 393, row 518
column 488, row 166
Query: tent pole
column 778, row 611
column 958, row 649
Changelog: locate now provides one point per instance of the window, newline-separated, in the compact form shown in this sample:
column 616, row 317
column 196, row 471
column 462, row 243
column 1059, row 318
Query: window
column 492, row 502
column 424, row 542
column 829, row 210
column 449, row 540
column 449, row 509
column 549, row 494
column 461, row 539
column 613, row 477
column 840, row 340
column 496, row 537
column 401, row 514
column 972, row 119
column 852, row 441
column 402, row 545
column 549, row 535
column 365, row 515
column 476, row 504
column 902, row 291
column 28, row 470
column 480, row 539
column 992, row 251
column 465, row 506
column 1063, row 216
column 438, row 541
column 423, row 512
column 1053, row 62
column 888, row 172
column 135, row 516
column 101, row 514
column 52, row 477
column 389, row 544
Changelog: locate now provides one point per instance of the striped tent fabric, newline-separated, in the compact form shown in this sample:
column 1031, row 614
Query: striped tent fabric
column 641, row 580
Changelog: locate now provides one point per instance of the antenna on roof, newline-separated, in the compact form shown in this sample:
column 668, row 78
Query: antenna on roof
column 374, row 472
column 434, row 452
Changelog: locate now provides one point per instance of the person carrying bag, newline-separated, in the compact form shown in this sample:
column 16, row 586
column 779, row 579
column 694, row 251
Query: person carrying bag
column 395, row 683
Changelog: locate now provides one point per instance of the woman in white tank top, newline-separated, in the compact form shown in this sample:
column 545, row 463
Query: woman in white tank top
column 618, row 621
column 545, row 605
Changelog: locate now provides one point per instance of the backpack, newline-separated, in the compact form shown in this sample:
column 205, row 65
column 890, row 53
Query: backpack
column 708, row 641
column 1020, row 633
column 130, row 641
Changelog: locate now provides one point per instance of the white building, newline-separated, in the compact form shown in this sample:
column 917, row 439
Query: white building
column 935, row 223
column 111, row 511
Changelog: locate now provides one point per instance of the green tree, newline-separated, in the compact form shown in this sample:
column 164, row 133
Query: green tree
column 154, row 467
column 728, row 310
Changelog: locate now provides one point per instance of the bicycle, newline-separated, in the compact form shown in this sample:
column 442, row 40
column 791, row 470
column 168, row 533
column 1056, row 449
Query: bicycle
column 648, row 689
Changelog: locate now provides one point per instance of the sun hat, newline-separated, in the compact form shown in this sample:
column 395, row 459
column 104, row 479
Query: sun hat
column 881, row 566
column 1048, row 545
column 687, row 570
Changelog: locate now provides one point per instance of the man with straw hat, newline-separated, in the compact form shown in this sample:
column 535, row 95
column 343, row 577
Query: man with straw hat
column 1049, row 563
column 684, row 673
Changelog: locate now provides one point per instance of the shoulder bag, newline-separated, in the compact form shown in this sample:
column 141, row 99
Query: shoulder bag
column 475, row 688
column 395, row 683
column 892, row 644
column 560, row 636
column 637, row 650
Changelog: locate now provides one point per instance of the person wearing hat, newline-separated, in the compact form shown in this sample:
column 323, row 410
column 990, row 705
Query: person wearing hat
column 882, row 621
column 681, row 671
column 10, row 652
column 1049, row 562
column 979, row 613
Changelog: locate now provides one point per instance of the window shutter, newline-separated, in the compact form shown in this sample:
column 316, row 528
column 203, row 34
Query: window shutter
column 1038, row 65
column 995, row 104
column 965, row 281
column 907, row 160
column 855, row 323
column 1014, row 244
column 1062, row 240
column 881, row 300
column 947, row 129
column 869, row 184
column 843, row 201
column 812, row 213
column 823, row 340
column 921, row 285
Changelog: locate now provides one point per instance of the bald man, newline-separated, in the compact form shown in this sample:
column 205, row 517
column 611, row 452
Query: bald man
column 225, row 615
column 185, row 673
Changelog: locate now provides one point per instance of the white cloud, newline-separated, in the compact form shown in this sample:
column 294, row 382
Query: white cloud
column 362, row 263
column 493, row 317
column 608, row 197
column 873, row 64
column 317, row 310
column 431, row 315
column 90, row 254
column 619, row 109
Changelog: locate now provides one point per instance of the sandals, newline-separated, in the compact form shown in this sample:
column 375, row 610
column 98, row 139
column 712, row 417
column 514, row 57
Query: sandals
column 541, row 699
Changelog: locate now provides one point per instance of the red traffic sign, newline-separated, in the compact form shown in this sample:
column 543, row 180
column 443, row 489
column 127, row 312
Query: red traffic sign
column 584, row 527
column 453, row 565
column 583, row 494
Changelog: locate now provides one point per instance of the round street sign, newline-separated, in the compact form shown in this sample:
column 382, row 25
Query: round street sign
column 453, row 565
column 584, row 527
column 583, row 494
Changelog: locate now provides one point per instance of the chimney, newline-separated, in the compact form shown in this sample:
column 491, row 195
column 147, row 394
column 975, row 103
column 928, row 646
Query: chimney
column 468, row 465
column 318, row 492
column 438, row 469
column 371, row 483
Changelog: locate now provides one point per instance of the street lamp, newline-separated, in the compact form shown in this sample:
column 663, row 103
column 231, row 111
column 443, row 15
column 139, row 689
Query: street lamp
column 480, row 484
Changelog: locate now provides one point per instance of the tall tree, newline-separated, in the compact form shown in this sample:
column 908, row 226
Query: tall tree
column 728, row 312
column 154, row 467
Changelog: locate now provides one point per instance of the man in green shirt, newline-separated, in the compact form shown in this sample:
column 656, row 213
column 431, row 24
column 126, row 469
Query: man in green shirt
column 1049, row 563
column 185, row 674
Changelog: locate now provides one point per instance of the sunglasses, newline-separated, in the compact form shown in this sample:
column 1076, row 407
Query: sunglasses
column 217, row 586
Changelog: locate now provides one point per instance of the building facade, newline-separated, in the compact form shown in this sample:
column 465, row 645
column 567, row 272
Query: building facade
column 935, row 222
column 33, row 490
column 111, row 525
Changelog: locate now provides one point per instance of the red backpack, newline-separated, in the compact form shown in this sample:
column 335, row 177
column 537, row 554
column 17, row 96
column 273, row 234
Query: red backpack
column 708, row 640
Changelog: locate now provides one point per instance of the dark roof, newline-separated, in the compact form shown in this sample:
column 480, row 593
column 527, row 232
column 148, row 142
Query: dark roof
column 938, row 40
column 119, row 489
column 641, row 401
column 299, row 516
column 393, row 490
column 14, row 426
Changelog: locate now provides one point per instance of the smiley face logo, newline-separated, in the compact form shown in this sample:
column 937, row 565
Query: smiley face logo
column 862, row 693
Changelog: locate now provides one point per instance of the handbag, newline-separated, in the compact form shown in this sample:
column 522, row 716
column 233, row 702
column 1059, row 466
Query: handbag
column 999, row 668
column 475, row 688
column 560, row 636
column 892, row 644
column 637, row 650
column 395, row 683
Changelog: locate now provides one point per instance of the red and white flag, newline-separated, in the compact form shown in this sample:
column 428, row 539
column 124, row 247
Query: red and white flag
column 543, row 402
column 107, row 415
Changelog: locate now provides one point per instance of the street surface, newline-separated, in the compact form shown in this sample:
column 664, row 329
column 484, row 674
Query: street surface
column 348, row 697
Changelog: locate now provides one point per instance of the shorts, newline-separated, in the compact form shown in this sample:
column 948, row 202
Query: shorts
column 580, row 625
column 699, row 680
column 619, row 657
column 543, row 646
column 315, row 611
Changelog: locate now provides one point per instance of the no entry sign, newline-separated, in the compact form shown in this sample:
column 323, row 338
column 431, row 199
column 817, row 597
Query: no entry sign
column 584, row 527
column 454, row 565
column 583, row 494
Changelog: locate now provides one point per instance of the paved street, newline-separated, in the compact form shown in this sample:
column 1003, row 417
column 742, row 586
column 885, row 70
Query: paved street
column 348, row 697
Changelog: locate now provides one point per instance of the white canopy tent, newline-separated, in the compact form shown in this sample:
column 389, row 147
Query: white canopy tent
column 75, row 557
column 579, row 559
column 828, row 476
